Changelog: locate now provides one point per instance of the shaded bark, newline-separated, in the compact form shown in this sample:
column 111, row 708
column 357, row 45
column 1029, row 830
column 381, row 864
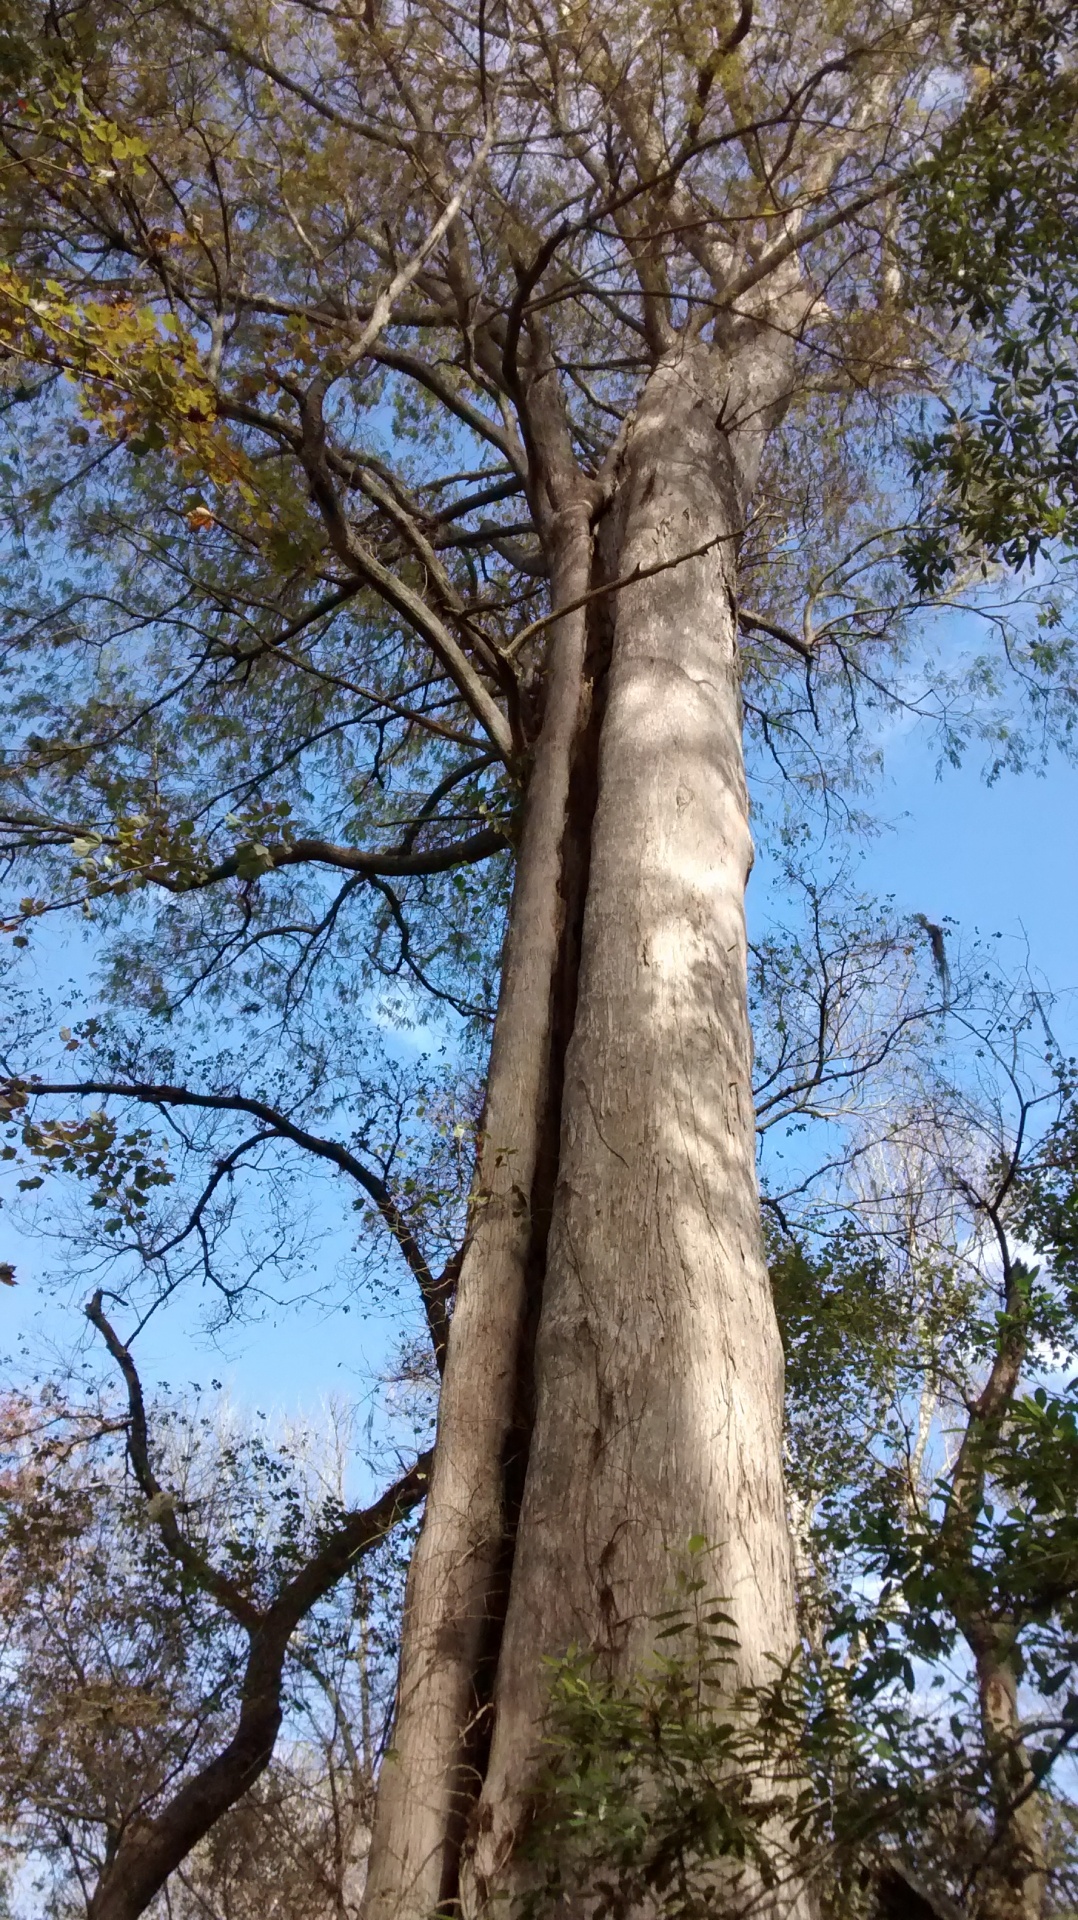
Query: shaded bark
column 1012, row 1886
column 454, row 1598
column 898, row 1895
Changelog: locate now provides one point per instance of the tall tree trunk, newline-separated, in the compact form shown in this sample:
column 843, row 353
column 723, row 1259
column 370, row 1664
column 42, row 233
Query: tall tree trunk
column 657, row 1370
column 658, row 1365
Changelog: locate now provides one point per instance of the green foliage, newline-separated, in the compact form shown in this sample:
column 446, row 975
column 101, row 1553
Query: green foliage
column 655, row 1790
column 121, row 1167
column 657, row 1798
column 995, row 214
column 933, row 1427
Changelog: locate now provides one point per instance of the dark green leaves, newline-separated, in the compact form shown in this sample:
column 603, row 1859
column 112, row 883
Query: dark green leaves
column 996, row 225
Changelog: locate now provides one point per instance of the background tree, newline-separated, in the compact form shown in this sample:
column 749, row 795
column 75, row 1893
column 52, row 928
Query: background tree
column 148, row 1695
column 936, row 1516
column 125, row 1670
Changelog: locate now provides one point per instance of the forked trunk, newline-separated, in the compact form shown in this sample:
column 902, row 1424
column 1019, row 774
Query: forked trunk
column 658, row 1366
column 655, row 1374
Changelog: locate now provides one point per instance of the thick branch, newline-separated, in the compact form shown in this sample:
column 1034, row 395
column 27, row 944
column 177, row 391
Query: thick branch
column 393, row 863
column 755, row 623
column 413, row 609
column 793, row 241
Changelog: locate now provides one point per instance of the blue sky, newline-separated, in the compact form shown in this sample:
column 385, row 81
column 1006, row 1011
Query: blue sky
column 1001, row 859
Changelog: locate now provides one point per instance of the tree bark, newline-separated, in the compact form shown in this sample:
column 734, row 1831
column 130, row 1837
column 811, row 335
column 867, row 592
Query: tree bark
column 658, row 1363
column 657, row 1367
column 428, row 1781
column 1012, row 1886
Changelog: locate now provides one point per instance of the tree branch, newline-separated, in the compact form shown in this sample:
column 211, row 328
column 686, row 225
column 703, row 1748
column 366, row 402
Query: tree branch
column 393, row 863
column 431, row 1290
column 755, row 623
column 150, row 1850
column 160, row 1505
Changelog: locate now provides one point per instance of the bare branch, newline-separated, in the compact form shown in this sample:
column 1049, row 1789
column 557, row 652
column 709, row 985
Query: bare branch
column 431, row 1291
column 160, row 1504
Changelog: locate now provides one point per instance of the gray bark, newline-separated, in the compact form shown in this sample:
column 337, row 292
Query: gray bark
column 657, row 1368
column 1012, row 1883
column 658, row 1363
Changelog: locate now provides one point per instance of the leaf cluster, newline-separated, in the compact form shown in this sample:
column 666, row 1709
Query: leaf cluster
column 995, row 212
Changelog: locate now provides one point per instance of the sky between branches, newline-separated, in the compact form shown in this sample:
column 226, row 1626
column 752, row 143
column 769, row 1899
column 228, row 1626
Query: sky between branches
column 996, row 859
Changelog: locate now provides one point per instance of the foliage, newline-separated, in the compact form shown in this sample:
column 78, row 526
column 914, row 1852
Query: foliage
column 650, row 1784
column 994, row 214
column 656, row 1797
column 930, row 1343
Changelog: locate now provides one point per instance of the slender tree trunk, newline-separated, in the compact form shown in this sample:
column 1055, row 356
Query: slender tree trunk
column 1013, row 1883
column 657, row 1370
column 452, row 1605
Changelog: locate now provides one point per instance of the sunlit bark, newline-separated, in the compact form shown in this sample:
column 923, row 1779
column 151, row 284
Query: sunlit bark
column 656, row 1377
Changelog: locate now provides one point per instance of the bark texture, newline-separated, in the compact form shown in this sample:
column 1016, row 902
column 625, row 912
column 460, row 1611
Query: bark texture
column 1014, row 1880
column 453, row 1602
column 648, row 1405
column 658, row 1365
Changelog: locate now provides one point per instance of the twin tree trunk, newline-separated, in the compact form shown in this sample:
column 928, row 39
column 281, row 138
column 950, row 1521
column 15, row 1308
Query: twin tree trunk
column 614, row 1375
